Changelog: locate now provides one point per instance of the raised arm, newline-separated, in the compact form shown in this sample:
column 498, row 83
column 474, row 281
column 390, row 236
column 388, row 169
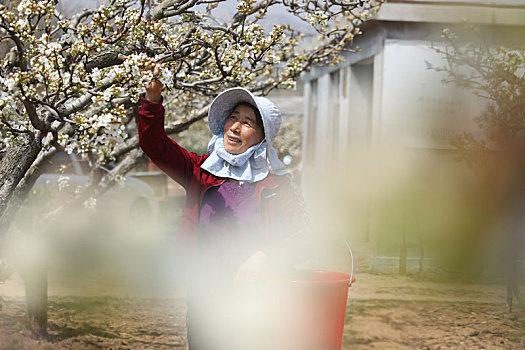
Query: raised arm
column 174, row 160
column 154, row 91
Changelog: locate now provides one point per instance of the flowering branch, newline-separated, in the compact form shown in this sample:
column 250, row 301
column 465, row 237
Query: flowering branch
column 75, row 81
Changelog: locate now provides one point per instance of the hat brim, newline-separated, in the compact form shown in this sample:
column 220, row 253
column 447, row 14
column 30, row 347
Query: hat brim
column 223, row 105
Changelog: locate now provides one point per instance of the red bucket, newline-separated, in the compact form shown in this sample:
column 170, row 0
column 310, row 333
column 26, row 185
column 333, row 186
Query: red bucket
column 307, row 310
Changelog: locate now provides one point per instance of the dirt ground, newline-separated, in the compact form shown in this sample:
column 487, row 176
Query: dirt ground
column 384, row 311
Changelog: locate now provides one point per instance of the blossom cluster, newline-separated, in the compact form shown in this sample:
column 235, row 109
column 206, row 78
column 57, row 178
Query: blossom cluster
column 85, row 73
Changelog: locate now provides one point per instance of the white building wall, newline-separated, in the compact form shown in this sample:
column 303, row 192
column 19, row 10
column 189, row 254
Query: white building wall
column 377, row 97
column 360, row 103
column 403, row 114
column 322, row 131
column 334, row 118
column 344, row 107
column 309, row 96
column 418, row 110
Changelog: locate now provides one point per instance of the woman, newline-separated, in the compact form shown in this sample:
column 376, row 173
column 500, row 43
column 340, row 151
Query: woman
column 242, row 215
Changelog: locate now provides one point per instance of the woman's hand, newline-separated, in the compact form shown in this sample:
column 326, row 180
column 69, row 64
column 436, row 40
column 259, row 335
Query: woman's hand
column 154, row 88
column 251, row 270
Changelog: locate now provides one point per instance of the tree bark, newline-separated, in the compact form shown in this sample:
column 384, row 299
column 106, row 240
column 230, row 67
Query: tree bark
column 35, row 277
column 13, row 167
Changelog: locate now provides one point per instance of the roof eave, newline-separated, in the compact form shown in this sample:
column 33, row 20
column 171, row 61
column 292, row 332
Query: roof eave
column 451, row 13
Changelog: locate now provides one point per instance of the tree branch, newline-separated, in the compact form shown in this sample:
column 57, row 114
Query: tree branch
column 83, row 101
column 170, row 8
column 33, row 115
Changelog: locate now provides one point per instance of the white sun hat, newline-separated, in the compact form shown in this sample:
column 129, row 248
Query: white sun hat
column 223, row 105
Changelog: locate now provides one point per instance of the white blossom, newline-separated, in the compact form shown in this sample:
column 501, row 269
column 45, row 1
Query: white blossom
column 9, row 83
column 91, row 204
column 62, row 69
column 166, row 77
column 63, row 182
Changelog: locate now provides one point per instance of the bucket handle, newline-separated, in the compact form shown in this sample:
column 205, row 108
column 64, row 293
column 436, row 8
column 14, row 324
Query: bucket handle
column 352, row 279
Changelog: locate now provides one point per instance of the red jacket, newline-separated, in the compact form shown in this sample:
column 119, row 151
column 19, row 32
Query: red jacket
column 281, row 206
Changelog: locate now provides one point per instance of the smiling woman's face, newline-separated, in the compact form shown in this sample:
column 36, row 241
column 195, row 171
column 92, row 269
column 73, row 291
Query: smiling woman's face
column 241, row 130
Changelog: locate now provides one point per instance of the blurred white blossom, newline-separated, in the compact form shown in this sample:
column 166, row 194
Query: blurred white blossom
column 91, row 204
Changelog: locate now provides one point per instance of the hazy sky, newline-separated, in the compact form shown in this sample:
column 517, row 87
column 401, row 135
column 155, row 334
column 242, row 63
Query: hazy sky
column 507, row 2
column 276, row 14
column 72, row 4
column 70, row 7
column 499, row 2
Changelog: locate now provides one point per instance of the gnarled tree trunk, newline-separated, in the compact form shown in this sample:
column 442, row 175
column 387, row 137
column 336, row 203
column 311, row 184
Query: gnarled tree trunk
column 35, row 277
column 14, row 166
column 14, row 186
